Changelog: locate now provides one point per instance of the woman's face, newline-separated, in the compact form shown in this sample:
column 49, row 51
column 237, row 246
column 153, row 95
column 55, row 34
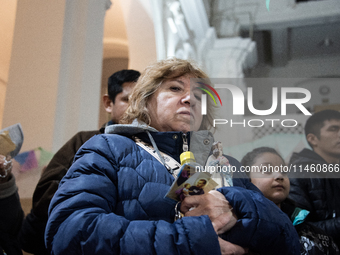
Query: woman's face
column 274, row 185
column 175, row 106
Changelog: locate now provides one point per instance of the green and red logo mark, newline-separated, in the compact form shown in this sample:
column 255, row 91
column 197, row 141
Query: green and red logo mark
column 204, row 96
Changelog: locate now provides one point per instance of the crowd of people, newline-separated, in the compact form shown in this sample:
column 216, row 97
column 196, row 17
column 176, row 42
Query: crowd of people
column 103, row 191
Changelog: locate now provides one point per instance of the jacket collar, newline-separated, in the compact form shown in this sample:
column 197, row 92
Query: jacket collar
column 102, row 129
column 307, row 156
column 171, row 143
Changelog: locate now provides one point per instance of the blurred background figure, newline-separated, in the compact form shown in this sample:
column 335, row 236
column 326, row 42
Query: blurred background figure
column 11, row 213
column 275, row 186
column 319, row 193
column 120, row 85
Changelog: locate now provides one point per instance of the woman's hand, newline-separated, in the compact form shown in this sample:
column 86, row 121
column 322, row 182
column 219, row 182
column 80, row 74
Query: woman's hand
column 5, row 168
column 228, row 248
column 216, row 206
column 213, row 204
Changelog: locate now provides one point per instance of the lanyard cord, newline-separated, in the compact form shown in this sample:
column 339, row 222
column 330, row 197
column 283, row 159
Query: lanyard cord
column 171, row 171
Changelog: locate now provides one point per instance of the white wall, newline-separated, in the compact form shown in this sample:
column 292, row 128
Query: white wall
column 55, row 71
column 7, row 20
column 34, row 70
column 140, row 33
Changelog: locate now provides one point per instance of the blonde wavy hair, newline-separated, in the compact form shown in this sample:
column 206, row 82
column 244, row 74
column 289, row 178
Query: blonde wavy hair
column 151, row 79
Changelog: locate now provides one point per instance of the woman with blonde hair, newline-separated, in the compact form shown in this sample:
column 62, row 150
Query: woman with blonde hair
column 152, row 78
column 111, row 200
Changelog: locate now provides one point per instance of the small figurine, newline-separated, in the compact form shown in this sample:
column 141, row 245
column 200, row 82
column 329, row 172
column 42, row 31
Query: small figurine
column 219, row 166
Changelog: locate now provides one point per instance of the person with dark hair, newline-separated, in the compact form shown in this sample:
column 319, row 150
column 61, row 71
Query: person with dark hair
column 275, row 186
column 120, row 85
column 319, row 195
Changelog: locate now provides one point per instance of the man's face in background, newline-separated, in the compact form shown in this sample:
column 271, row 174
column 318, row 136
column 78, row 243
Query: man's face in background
column 327, row 145
column 121, row 103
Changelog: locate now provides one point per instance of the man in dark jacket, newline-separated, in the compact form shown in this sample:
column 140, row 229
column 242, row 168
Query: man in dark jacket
column 318, row 193
column 120, row 85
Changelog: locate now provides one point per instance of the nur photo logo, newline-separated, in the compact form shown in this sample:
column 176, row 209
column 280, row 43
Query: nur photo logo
column 244, row 103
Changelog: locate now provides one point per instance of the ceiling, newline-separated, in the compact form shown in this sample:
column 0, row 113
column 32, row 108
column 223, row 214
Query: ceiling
column 290, row 30
column 115, row 40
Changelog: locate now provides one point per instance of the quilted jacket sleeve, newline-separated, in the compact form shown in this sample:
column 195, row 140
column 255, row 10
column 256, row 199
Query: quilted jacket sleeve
column 82, row 218
column 262, row 226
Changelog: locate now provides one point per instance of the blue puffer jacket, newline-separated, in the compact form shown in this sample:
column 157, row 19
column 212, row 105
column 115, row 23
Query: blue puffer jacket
column 111, row 201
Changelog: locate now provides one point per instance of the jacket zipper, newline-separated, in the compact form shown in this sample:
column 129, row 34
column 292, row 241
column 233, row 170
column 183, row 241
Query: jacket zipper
column 185, row 142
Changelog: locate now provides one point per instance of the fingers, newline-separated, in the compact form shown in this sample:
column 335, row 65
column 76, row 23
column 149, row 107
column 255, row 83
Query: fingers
column 5, row 167
column 212, row 204
column 2, row 159
column 3, row 162
column 226, row 219
column 228, row 248
column 7, row 164
column 190, row 202
column 215, row 206
column 224, row 222
column 218, row 195
column 197, row 205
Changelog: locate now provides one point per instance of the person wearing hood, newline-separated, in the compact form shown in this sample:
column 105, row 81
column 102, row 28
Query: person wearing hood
column 111, row 201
